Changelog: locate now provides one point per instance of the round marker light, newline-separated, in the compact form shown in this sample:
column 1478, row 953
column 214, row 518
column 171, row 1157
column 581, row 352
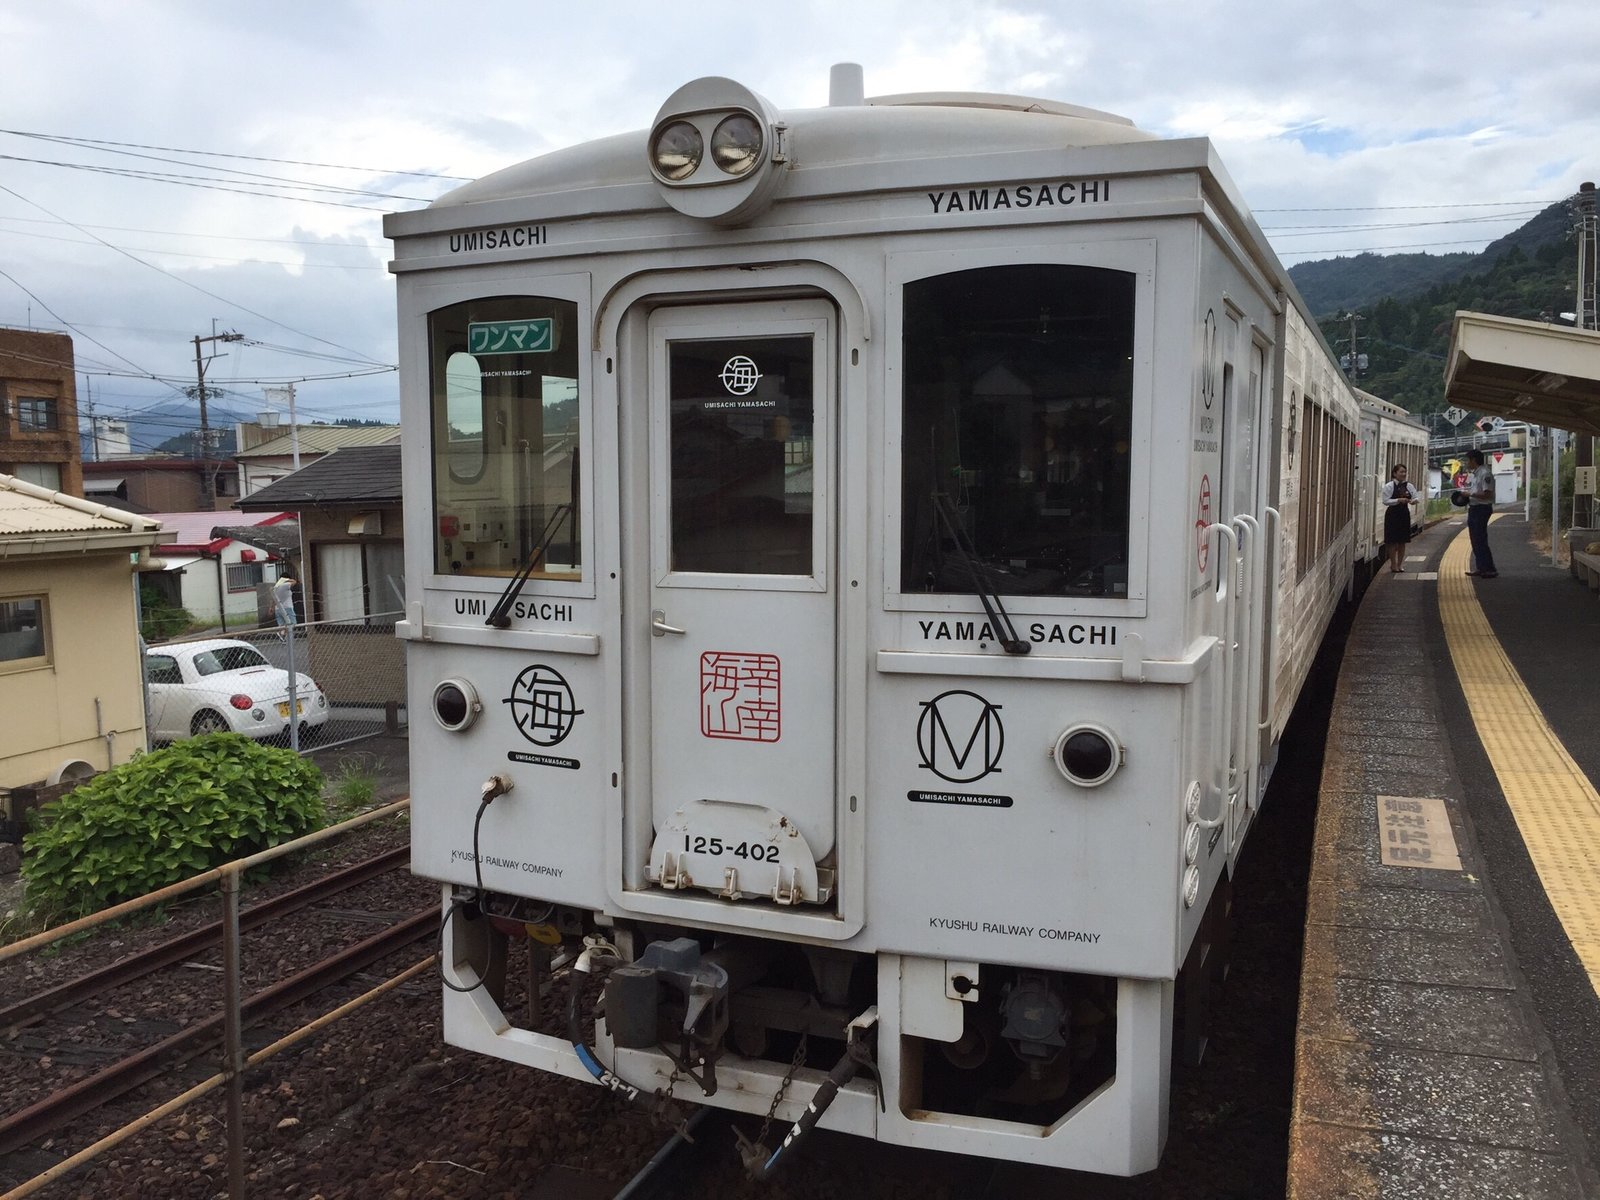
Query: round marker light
column 736, row 144
column 676, row 150
column 1088, row 755
column 456, row 704
column 1191, row 845
column 1191, row 886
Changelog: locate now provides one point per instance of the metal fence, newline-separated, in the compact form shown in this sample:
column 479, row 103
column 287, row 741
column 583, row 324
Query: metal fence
column 346, row 680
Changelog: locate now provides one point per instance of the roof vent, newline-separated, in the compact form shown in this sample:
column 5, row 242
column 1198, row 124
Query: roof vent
column 846, row 86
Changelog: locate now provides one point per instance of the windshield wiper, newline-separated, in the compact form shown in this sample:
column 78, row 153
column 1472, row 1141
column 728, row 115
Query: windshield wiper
column 999, row 619
column 500, row 617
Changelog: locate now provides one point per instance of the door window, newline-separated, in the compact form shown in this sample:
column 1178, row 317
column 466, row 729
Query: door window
column 743, row 480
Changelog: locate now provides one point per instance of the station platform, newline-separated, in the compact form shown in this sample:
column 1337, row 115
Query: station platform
column 1448, row 1042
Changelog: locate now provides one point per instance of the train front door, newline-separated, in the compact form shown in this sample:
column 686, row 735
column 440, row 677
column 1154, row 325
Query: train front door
column 741, row 600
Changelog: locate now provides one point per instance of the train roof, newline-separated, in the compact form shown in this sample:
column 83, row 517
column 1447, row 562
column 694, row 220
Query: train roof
column 851, row 150
column 880, row 130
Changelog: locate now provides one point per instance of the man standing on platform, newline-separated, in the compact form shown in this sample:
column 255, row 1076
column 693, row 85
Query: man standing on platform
column 1480, row 497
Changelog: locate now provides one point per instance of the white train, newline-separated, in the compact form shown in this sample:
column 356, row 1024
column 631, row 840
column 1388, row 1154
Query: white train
column 860, row 563
column 1389, row 438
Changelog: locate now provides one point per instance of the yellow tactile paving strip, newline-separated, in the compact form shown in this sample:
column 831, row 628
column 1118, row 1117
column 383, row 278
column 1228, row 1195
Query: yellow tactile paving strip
column 1556, row 808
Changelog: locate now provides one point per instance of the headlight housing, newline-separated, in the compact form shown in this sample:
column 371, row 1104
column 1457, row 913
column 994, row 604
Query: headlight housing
column 676, row 151
column 455, row 704
column 1087, row 754
column 717, row 151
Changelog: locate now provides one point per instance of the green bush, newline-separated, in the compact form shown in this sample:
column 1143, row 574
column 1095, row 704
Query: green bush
column 165, row 816
column 159, row 618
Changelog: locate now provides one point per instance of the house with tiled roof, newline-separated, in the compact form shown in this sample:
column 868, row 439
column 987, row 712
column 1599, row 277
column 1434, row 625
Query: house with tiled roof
column 351, row 528
column 71, row 668
column 215, row 572
column 268, row 454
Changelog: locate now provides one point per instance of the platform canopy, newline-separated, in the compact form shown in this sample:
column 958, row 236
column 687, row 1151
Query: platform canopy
column 1525, row 370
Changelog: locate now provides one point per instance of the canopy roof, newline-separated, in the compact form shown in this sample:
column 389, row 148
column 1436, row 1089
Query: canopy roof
column 1526, row 370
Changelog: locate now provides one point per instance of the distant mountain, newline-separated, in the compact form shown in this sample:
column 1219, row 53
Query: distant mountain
column 1332, row 285
column 170, row 428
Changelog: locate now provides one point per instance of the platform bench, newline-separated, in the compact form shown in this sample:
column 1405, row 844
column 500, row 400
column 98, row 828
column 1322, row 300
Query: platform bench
column 1586, row 566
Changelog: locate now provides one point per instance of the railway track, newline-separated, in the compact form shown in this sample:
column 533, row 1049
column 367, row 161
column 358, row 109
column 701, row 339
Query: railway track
column 135, row 966
column 68, row 1013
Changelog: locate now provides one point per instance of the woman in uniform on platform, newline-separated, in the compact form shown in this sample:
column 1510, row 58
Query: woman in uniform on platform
column 1398, row 497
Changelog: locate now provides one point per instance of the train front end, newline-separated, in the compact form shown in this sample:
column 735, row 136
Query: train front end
column 826, row 687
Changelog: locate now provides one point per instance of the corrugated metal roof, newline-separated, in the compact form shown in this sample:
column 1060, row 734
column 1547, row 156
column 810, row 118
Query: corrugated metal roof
column 30, row 511
column 320, row 439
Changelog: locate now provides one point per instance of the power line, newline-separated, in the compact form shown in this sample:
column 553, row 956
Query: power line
column 249, row 177
column 214, row 237
column 156, row 177
column 1520, row 215
column 187, row 283
column 233, row 258
column 51, row 137
column 1407, row 207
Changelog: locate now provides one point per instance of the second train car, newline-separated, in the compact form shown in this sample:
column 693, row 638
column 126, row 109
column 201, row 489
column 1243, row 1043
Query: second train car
column 860, row 563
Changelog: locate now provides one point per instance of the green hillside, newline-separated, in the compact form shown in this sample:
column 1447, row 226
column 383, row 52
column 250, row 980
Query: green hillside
column 1407, row 301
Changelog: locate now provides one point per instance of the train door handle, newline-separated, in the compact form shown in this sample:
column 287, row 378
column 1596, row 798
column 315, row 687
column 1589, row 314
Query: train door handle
column 659, row 626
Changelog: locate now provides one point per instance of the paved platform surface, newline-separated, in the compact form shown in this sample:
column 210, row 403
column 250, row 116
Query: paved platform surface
column 1447, row 1039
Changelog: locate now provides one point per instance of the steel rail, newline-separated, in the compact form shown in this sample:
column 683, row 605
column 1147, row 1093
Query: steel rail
column 135, row 966
column 677, row 1156
column 27, row 1126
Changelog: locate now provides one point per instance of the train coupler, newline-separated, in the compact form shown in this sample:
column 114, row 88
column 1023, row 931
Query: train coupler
column 670, row 997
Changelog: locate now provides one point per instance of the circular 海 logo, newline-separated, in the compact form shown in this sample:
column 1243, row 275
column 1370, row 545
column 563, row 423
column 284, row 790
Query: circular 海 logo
column 739, row 375
column 960, row 736
column 542, row 705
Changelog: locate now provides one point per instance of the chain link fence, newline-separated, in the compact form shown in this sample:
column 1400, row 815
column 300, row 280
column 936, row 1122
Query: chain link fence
column 346, row 681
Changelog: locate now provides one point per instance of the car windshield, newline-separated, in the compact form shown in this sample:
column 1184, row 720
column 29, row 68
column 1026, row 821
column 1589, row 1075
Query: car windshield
column 228, row 658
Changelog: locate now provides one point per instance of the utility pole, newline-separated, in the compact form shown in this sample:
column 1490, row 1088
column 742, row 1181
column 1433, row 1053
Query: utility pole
column 1583, row 515
column 208, row 497
column 94, row 426
column 1354, row 370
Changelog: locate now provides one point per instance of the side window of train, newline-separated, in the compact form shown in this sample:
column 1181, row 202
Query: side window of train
column 1016, row 419
column 505, row 418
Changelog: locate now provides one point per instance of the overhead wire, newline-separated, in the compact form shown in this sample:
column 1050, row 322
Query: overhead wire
column 78, row 141
column 189, row 284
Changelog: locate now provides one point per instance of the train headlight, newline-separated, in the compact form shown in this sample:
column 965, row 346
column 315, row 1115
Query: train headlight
column 456, row 704
column 1087, row 754
column 736, row 144
column 717, row 151
column 676, row 151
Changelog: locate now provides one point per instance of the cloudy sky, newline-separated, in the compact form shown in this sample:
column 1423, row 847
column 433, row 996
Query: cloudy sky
column 173, row 169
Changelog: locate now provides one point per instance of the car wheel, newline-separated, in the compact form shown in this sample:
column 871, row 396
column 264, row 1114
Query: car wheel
column 207, row 721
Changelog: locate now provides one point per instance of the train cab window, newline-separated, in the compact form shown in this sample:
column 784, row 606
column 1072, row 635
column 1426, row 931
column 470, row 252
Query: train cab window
column 504, row 378
column 1017, row 414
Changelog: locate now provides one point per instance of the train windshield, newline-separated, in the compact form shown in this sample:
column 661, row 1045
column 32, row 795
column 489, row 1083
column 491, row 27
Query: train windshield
column 1017, row 412
column 504, row 377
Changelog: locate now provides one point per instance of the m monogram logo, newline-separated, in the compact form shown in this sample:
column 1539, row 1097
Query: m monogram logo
column 960, row 736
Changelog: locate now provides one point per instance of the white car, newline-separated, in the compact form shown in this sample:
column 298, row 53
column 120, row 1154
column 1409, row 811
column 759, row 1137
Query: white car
column 223, row 685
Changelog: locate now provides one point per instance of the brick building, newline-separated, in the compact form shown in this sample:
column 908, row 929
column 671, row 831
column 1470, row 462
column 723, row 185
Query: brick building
column 39, row 410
